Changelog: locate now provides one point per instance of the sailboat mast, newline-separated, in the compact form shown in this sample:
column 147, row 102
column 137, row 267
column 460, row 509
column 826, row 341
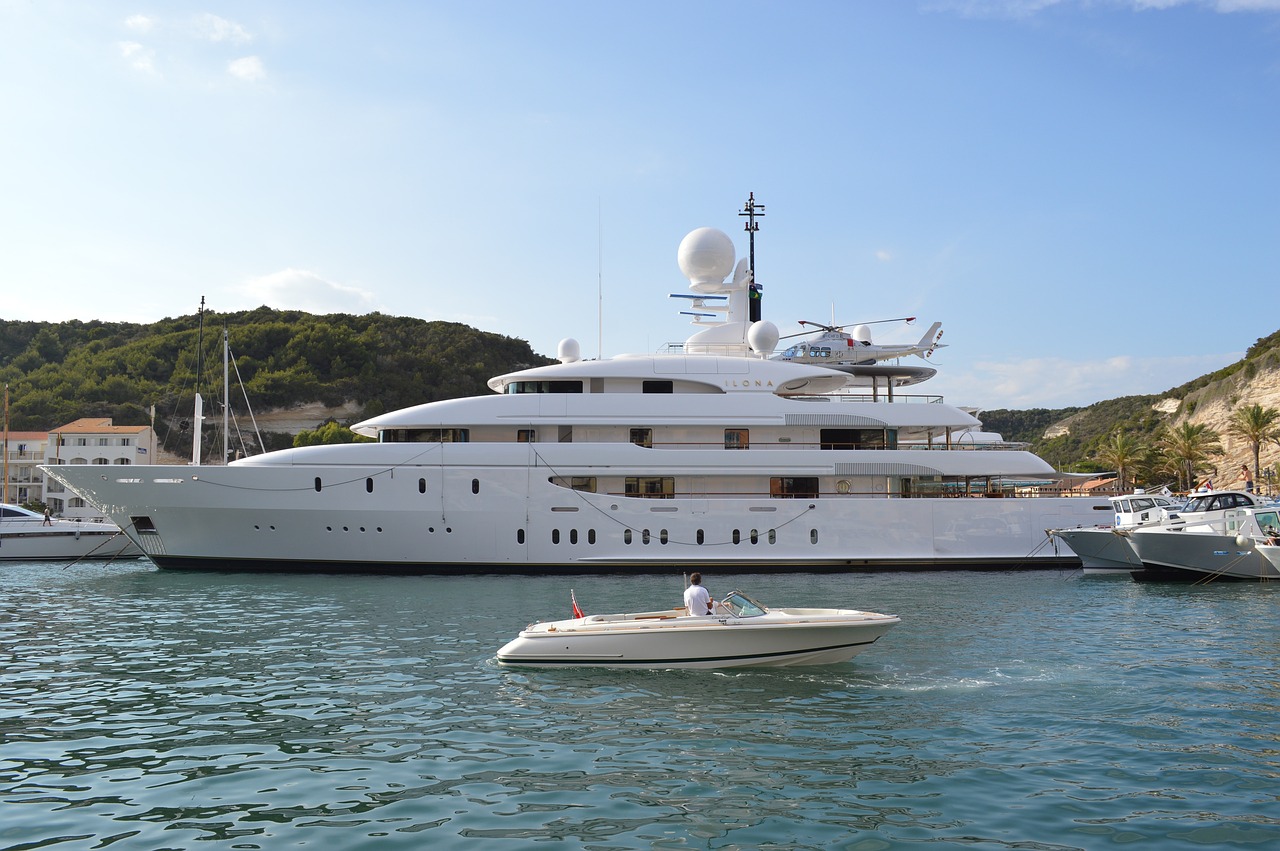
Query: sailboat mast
column 226, row 394
column 6, row 443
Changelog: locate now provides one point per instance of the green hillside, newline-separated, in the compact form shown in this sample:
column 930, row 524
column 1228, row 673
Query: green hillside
column 58, row 372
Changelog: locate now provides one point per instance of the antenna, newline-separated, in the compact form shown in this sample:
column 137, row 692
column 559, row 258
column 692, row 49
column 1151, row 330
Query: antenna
column 750, row 211
column 599, row 280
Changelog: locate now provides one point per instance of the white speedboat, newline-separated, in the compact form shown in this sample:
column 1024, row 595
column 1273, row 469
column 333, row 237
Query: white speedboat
column 27, row 536
column 1101, row 551
column 741, row 633
column 711, row 454
column 1245, row 544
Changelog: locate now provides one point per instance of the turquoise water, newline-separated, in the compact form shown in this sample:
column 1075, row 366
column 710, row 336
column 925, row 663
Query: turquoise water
column 144, row 709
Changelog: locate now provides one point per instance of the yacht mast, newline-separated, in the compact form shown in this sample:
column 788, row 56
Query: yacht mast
column 751, row 210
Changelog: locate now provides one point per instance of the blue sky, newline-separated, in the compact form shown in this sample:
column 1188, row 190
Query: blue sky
column 1086, row 193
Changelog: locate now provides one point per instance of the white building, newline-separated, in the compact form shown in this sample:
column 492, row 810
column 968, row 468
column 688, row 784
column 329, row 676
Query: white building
column 91, row 440
column 24, row 452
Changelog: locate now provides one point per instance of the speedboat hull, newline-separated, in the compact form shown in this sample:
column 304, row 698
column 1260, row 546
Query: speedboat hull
column 30, row 539
column 781, row 638
column 1201, row 556
column 1101, row 550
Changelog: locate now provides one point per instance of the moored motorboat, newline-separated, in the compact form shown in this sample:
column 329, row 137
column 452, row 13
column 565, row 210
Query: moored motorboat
column 1101, row 551
column 1246, row 547
column 741, row 633
column 28, row 536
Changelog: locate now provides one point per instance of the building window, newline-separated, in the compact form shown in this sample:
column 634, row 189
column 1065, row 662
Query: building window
column 736, row 438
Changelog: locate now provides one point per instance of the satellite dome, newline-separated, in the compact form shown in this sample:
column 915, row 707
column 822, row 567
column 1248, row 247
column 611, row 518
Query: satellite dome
column 762, row 336
column 861, row 333
column 706, row 258
column 569, row 351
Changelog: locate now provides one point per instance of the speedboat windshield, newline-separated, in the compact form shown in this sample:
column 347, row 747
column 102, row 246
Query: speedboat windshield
column 741, row 606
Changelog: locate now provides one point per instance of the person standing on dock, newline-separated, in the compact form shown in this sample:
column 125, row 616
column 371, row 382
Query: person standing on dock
column 1248, row 478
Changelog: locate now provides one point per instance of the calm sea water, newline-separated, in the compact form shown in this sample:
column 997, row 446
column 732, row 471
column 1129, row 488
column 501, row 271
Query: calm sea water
column 144, row 709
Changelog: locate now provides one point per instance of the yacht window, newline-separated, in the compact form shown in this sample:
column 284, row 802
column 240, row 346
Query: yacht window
column 573, row 536
column 566, row 434
column 526, row 435
column 642, row 437
column 859, row 438
column 652, row 487
column 736, row 438
column 793, row 487
column 425, row 435
column 658, row 387
column 555, row 536
column 586, row 484
column 544, row 387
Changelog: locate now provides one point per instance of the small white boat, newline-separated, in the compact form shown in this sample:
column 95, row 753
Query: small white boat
column 1246, row 547
column 1100, row 550
column 27, row 536
column 742, row 633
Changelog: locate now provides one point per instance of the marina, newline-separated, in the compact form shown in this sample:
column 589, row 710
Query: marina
column 144, row 708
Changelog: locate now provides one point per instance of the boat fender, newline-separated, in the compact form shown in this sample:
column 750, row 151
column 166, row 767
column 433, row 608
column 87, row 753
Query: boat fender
column 1241, row 540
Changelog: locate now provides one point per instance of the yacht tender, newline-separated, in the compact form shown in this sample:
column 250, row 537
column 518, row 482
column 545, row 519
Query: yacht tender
column 713, row 455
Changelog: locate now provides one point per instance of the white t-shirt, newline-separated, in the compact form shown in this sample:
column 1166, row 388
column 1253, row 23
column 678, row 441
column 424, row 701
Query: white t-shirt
column 697, row 600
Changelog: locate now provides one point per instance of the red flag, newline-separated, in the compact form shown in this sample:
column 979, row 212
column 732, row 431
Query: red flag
column 577, row 613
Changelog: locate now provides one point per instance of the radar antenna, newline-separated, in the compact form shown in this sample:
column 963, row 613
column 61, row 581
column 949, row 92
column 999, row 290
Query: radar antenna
column 751, row 210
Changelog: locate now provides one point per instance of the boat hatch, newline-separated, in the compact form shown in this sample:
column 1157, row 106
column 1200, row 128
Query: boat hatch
column 143, row 524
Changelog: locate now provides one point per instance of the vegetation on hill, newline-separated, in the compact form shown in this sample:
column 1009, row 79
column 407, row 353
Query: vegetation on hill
column 59, row 372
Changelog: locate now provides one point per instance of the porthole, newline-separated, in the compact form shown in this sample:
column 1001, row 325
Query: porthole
column 737, row 536
column 475, row 486
column 573, row 536
column 626, row 536
column 317, row 484
column 773, row 536
column 644, row 537
column 662, row 536
column 591, row 536
column 842, row 486
column 555, row 536
column 519, row 536
column 422, row 485
column 755, row 536
column 368, row 485
column 701, row 536
column 813, row 536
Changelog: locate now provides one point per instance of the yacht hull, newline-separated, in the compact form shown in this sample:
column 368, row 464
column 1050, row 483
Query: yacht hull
column 402, row 517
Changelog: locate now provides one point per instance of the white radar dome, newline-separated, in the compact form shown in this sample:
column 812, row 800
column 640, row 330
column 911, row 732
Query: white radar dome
column 762, row 336
column 861, row 333
column 569, row 351
column 706, row 258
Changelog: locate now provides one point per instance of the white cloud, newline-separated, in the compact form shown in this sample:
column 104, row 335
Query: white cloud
column 140, row 23
column 298, row 289
column 216, row 29
column 883, row 255
column 1067, row 382
column 249, row 69
column 140, row 58
column 1029, row 8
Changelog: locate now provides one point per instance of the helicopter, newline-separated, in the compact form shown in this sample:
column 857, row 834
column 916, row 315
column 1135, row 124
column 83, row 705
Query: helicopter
column 835, row 348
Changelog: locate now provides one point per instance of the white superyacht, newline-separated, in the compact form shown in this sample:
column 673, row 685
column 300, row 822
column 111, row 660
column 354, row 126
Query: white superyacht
column 715, row 455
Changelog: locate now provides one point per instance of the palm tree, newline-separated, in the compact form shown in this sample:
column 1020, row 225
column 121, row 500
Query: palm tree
column 1256, row 425
column 1123, row 451
column 1189, row 447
